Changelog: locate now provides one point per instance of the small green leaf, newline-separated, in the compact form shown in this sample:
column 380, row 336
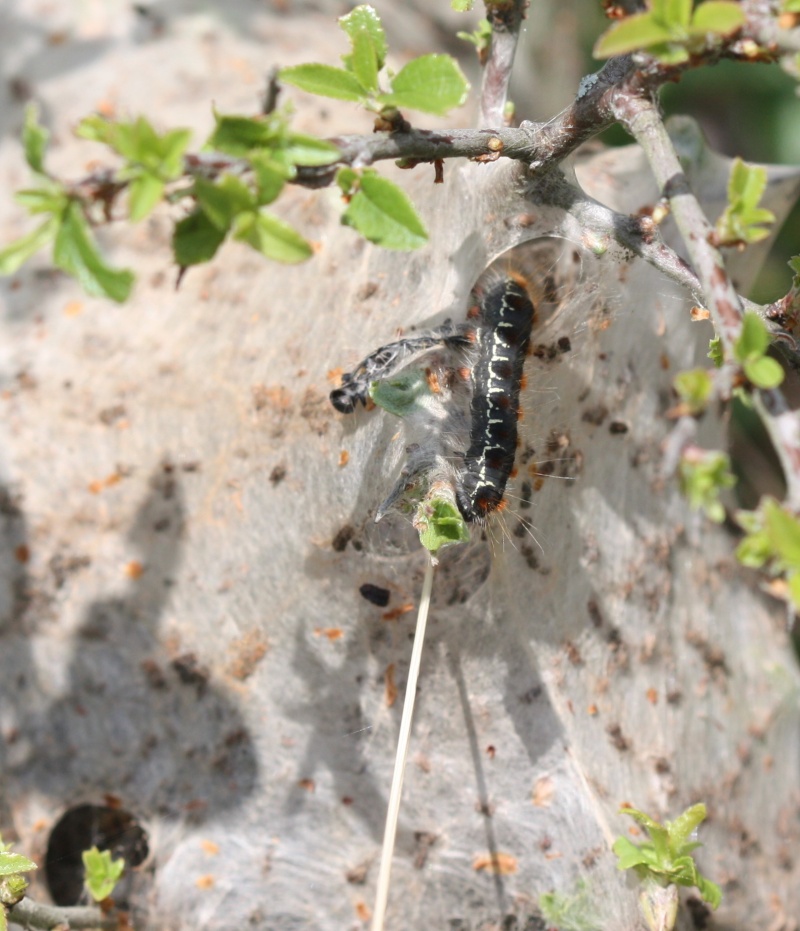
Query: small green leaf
column 639, row 31
column 709, row 892
column 270, row 177
column 743, row 221
column 272, row 237
column 684, row 825
column 3, row 918
column 718, row 17
column 783, row 532
column 102, row 873
column 754, row 550
column 753, row 340
column 672, row 13
column 19, row 251
column 480, row 37
column 34, row 139
column 347, row 179
column 430, row 83
column 224, row 200
column 325, row 81
column 195, row 239
column 462, row 6
column 703, row 475
column 383, row 214
column 794, row 261
column 49, row 198
column 439, row 523
column 238, row 135
column 172, row 148
column 365, row 19
column 11, row 863
column 763, row 373
column 716, row 351
column 144, row 192
column 629, row 854
column 76, row 253
column 694, row 389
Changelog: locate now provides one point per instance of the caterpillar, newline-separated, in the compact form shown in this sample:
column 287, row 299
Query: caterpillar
column 505, row 318
column 387, row 359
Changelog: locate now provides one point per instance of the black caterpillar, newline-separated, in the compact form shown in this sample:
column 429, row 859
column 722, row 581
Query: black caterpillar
column 503, row 332
column 499, row 331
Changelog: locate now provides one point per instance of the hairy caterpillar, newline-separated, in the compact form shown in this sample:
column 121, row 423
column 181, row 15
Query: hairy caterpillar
column 502, row 336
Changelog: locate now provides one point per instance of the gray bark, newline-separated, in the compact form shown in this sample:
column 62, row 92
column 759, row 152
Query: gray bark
column 232, row 694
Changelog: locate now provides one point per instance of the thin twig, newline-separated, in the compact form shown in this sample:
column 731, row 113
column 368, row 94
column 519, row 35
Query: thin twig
column 395, row 794
column 505, row 23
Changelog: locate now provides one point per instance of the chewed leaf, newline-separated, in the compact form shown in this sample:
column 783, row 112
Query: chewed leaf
column 383, row 214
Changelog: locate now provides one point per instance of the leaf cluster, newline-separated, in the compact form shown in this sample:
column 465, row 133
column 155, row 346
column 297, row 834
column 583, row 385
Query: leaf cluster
column 703, row 475
column 743, row 221
column 102, row 873
column 666, row 857
column 430, row 83
column 12, row 883
column 670, row 29
column 772, row 542
column 750, row 351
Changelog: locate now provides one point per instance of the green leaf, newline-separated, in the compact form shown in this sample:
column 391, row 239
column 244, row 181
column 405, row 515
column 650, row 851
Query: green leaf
column 172, row 148
column 794, row 261
column 238, row 135
column 347, row 179
column 753, row 340
column 3, row 918
column 746, row 184
column 34, row 139
column 718, row 17
column 139, row 144
column 11, row 863
column 75, row 252
column 754, row 551
column 672, row 13
column 195, row 239
column 368, row 43
column 49, row 198
column 742, row 220
column 462, row 6
column 440, row 524
column 19, row 251
column 310, row 151
column 709, row 892
column 481, row 36
column 365, row 19
column 430, row 83
column 703, row 475
column 783, row 532
column 716, row 351
column 224, row 200
column 639, row 31
column 272, row 237
column 382, row 213
column 790, row 6
column 270, row 177
column 694, row 388
column 764, row 373
column 325, row 81
column 144, row 192
column 629, row 855
column 102, row 873
column 683, row 826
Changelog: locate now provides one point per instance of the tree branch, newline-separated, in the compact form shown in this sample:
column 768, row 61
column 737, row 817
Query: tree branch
column 505, row 23
column 37, row 917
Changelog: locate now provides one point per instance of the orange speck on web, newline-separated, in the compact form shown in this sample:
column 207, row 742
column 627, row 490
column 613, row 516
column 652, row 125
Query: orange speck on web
column 396, row 613
column 543, row 792
column 22, row 553
column 332, row 633
column 499, row 864
column 73, row 308
column 308, row 784
column 363, row 910
column 134, row 569
column 335, row 375
column 106, row 108
column 204, row 882
column 652, row 696
column 344, row 457
column 592, row 710
column 209, row 847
